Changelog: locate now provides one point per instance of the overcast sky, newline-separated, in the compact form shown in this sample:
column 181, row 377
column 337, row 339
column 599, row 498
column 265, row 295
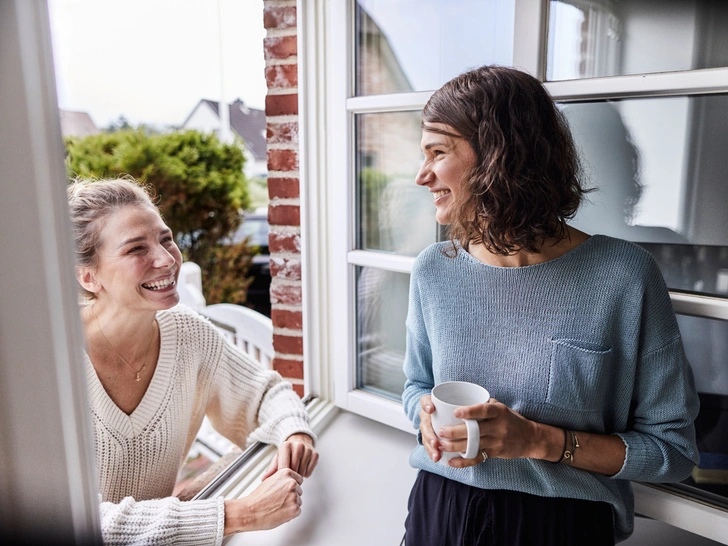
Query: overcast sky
column 153, row 60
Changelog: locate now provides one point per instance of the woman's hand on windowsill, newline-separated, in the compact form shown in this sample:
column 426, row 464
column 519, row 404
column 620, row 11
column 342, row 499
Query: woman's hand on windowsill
column 296, row 453
column 273, row 503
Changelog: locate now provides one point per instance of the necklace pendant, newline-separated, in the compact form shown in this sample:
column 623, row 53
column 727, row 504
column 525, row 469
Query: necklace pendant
column 138, row 378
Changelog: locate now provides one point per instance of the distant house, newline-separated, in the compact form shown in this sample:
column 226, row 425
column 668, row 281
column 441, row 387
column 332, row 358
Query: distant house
column 247, row 123
column 78, row 124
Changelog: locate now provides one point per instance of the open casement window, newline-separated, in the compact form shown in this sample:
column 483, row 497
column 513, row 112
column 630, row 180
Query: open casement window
column 644, row 85
column 387, row 59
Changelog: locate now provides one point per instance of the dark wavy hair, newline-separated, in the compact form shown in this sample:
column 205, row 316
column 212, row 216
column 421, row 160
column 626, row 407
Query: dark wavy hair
column 525, row 182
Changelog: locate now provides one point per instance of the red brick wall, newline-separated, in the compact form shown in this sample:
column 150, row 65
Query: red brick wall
column 281, row 107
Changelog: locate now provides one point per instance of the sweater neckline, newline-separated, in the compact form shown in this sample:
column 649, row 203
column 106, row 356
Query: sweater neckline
column 547, row 263
column 150, row 404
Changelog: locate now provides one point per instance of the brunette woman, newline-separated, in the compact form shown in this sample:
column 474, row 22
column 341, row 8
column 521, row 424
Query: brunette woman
column 573, row 335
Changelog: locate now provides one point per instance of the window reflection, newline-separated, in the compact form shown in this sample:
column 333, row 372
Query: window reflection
column 659, row 166
column 382, row 298
column 417, row 45
column 395, row 215
column 706, row 345
column 596, row 38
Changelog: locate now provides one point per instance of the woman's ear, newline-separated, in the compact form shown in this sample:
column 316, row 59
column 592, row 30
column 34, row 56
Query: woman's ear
column 87, row 279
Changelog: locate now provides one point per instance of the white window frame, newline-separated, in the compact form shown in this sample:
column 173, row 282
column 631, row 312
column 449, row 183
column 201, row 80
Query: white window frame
column 335, row 230
column 46, row 452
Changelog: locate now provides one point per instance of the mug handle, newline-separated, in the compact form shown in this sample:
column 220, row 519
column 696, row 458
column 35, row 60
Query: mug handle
column 473, row 446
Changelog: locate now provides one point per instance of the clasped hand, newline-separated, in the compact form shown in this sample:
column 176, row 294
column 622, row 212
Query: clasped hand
column 296, row 453
column 504, row 433
column 278, row 498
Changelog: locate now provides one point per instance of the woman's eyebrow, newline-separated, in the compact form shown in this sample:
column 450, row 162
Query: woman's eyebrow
column 436, row 143
column 132, row 240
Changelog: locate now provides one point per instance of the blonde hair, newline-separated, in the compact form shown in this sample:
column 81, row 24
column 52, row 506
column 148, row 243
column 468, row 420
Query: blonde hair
column 91, row 202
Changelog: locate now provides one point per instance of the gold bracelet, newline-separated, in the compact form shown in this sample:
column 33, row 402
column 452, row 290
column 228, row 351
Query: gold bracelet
column 570, row 447
column 563, row 449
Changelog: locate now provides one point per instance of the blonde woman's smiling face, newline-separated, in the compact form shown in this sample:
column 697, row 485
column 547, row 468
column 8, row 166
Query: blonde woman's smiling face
column 138, row 262
column 448, row 161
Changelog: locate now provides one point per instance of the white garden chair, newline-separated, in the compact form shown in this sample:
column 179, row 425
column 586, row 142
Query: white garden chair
column 248, row 330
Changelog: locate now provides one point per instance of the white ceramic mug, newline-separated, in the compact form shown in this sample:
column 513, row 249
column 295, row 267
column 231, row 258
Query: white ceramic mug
column 450, row 395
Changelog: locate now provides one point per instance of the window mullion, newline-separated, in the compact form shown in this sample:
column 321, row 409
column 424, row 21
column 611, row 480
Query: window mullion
column 529, row 37
column 712, row 80
column 381, row 260
column 395, row 102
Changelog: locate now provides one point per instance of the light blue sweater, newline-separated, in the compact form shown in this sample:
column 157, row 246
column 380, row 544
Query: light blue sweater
column 587, row 341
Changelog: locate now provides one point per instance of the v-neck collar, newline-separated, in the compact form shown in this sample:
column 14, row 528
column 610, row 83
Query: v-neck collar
column 151, row 403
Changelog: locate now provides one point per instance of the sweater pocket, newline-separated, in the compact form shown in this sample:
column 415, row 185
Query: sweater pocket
column 578, row 375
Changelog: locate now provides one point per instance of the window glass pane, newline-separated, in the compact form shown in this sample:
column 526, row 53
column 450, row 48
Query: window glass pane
column 161, row 67
column 417, row 45
column 395, row 214
column 659, row 165
column 593, row 38
column 706, row 345
column 382, row 298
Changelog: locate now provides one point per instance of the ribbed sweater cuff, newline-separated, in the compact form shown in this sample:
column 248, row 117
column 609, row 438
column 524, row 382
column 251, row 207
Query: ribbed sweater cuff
column 294, row 424
column 163, row 521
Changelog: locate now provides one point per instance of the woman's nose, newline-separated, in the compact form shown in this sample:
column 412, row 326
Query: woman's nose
column 163, row 257
column 424, row 175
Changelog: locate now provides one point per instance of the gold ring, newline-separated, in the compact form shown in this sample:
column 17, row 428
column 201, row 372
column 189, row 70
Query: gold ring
column 484, row 454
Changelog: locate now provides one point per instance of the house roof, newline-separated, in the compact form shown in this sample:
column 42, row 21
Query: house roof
column 78, row 124
column 248, row 124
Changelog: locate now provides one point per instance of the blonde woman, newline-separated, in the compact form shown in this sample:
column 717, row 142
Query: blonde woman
column 155, row 370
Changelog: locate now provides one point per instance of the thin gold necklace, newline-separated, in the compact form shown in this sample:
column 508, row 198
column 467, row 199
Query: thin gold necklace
column 144, row 365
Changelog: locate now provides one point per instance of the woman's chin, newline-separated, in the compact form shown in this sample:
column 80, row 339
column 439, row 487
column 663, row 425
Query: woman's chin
column 167, row 300
column 442, row 218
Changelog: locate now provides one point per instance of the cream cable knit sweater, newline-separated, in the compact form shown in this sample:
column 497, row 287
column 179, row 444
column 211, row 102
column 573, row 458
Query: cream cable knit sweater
column 138, row 455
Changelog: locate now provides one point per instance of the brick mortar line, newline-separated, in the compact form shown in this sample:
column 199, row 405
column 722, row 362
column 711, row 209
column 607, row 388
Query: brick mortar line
column 286, row 230
column 289, row 332
column 286, row 356
column 293, row 59
column 285, row 282
column 284, row 201
column 287, row 307
column 281, row 32
column 288, row 118
column 283, row 146
column 279, row 3
column 284, row 174
column 278, row 91
column 287, row 255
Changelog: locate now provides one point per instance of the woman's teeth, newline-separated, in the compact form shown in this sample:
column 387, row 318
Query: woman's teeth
column 159, row 285
column 437, row 194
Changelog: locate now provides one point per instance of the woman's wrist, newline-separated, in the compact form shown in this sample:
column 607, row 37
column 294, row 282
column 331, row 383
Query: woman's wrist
column 548, row 444
column 233, row 517
column 300, row 437
column 237, row 516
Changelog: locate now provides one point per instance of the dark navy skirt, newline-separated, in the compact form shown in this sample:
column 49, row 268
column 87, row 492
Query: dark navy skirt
column 444, row 512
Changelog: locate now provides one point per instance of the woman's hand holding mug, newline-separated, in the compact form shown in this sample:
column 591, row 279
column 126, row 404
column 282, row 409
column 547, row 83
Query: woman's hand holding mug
column 439, row 414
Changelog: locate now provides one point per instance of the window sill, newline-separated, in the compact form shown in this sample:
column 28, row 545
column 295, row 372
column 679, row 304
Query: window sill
column 357, row 495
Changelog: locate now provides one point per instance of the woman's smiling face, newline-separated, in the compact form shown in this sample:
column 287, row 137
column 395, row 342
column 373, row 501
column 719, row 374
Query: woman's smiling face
column 448, row 161
column 138, row 262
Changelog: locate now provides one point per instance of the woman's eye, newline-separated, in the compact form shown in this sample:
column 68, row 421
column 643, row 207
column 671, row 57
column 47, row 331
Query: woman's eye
column 166, row 240
column 136, row 249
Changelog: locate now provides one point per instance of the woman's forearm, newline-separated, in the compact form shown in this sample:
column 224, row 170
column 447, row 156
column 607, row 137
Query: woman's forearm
column 602, row 453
